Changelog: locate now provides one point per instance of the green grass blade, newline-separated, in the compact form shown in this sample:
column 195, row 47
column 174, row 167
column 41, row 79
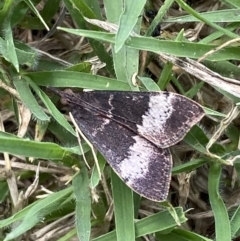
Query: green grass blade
column 154, row 223
column 123, row 209
column 181, row 235
column 189, row 166
column 35, row 10
column 6, row 8
column 52, row 108
column 4, row 190
column 222, row 224
column 76, row 79
column 37, row 212
column 95, row 178
column 165, row 76
column 149, row 84
column 197, row 139
column 181, row 49
column 95, row 7
column 10, row 48
column 194, row 90
column 78, row 9
column 26, row 55
column 159, row 17
column 220, row 16
column 83, row 204
column 206, row 20
column 29, row 100
column 235, row 223
column 23, row 147
column 128, row 19
column 113, row 10
column 232, row 3
column 125, row 60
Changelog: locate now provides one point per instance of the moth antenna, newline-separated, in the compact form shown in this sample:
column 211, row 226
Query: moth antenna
column 90, row 145
column 78, row 138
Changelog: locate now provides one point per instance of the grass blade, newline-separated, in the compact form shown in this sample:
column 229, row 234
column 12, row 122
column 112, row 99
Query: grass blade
column 222, row 225
column 123, row 209
column 83, row 204
column 37, row 212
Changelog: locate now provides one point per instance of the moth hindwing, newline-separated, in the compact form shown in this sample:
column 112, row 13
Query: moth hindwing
column 133, row 131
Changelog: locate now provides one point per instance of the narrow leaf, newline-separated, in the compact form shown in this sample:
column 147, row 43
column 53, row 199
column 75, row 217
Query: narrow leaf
column 123, row 209
column 83, row 204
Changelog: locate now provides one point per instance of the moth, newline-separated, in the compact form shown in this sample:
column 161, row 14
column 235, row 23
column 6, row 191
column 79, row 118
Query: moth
column 133, row 131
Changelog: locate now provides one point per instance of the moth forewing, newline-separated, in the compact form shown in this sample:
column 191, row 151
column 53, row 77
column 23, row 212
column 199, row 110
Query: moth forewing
column 133, row 131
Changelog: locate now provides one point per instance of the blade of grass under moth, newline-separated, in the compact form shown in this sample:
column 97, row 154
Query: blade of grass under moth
column 123, row 209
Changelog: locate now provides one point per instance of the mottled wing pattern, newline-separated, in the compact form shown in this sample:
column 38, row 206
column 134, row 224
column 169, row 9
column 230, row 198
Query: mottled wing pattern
column 133, row 130
column 144, row 167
